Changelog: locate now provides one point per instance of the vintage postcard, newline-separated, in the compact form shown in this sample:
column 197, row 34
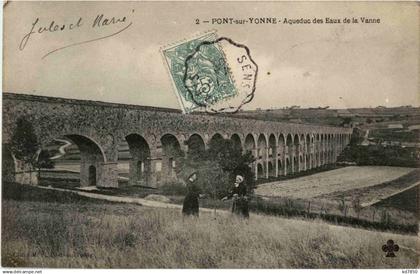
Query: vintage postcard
column 215, row 135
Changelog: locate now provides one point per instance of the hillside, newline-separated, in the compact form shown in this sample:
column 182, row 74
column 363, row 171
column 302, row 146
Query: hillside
column 75, row 232
column 337, row 117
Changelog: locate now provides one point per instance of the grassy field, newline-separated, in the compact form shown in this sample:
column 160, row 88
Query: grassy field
column 351, row 184
column 379, row 191
column 407, row 201
column 395, row 135
column 350, row 192
column 343, row 179
column 91, row 234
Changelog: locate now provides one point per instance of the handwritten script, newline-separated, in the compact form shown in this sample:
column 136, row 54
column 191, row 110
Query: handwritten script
column 99, row 22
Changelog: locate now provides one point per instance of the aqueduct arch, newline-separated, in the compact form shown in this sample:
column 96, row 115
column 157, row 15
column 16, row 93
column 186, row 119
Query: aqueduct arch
column 289, row 155
column 216, row 138
column 91, row 158
column 250, row 144
column 236, row 140
column 282, row 154
column 195, row 144
column 87, row 158
column 139, row 159
column 272, row 155
column 156, row 137
column 171, row 153
column 296, row 154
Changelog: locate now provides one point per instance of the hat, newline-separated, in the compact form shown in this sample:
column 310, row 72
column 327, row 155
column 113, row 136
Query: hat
column 192, row 174
column 240, row 177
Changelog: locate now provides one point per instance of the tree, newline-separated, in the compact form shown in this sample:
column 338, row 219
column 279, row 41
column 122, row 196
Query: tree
column 346, row 121
column 24, row 144
column 217, row 166
column 232, row 161
column 357, row 136
column 43, row 161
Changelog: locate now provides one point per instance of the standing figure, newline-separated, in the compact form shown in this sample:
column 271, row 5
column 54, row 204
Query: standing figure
column 190, row 205
column 240, row 198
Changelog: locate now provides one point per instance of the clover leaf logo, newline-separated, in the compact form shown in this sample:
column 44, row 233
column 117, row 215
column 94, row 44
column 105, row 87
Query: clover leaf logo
column 390, row 248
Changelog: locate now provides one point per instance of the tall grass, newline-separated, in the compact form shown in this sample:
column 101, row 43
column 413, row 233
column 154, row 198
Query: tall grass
column 89, row 235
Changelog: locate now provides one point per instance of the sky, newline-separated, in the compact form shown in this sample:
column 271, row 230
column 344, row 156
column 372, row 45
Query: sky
column 310, row 65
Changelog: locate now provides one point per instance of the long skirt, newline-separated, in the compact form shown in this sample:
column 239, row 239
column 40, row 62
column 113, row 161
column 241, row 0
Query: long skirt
column 190, row 205
column 240, row 207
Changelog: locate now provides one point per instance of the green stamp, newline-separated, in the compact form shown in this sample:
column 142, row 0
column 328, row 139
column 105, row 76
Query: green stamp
column 203, row 72
column 199, row 72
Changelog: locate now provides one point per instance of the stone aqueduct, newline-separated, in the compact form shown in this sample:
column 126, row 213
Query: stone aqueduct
column 156, row 135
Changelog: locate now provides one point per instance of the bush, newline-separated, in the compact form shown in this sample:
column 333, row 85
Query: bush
column 380, row 155
column 173, row 188
column 217, row 167
column 20, row 192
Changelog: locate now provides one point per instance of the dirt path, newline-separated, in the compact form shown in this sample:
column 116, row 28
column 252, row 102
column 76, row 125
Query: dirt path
column 131, row 200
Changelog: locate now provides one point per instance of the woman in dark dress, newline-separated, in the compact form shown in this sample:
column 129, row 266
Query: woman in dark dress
column 190, row 205
column 240, row 197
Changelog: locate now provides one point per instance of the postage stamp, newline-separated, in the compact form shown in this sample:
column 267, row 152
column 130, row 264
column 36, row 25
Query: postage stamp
column 211, row 74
